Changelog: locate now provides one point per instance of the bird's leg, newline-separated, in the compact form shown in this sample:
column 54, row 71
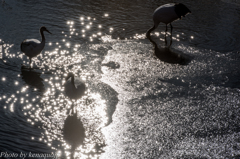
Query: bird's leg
column 166, row 35
column 30, row 59
column 72, row 108
column 171, row 34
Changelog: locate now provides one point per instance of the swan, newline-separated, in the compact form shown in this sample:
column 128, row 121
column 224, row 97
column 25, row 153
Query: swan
column 168, row 13
column 33, row 47
column 71, row 90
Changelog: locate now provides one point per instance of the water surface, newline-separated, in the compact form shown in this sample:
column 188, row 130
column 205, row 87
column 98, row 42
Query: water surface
column 136, row 106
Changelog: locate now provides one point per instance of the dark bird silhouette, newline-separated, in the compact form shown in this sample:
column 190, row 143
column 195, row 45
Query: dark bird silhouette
column 168, row 13
column 33, row 47
column 72, row 91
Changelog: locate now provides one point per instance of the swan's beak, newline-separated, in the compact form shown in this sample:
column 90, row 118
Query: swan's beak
column 48, row 32
column 67, row 78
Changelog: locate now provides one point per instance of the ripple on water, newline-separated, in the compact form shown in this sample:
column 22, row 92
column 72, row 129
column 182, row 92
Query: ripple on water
column 159, row 109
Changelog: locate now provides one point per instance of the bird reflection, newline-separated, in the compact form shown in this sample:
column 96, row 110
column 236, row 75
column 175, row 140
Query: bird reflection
column 167, row 55
column 33, row 79
column 73, row 132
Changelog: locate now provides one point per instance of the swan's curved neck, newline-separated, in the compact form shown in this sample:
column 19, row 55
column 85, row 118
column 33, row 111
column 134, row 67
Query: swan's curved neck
column 72, row 80
column 43, row 37
column 149, row 31
column 149, row 37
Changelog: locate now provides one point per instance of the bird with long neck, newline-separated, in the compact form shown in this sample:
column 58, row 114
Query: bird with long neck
column 33, row 47
column 71, row 90
column 167, row 14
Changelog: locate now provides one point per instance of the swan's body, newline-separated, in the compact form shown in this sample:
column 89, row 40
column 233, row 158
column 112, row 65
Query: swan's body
column 71, row 90
column 33, row 47
column 167, row 14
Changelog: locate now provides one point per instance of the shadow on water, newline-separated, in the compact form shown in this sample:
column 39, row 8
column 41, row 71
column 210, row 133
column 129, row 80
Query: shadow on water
column 73, row 132
column 109, row 95
column 112, row 65
column 226, row 80
column 190, row 88
column 167, row 55
column 33, row 79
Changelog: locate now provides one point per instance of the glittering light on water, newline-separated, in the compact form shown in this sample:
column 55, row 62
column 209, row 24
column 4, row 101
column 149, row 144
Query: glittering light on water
column 110, row 29
column 68, row 44
column 106, row 15
column 12, row 107
column 24, row 89
column 3, row 78
column 157, row 33
column 192, row 37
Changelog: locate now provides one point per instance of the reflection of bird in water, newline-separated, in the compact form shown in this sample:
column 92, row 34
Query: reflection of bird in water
column 33, row 79
column 33, row 47
column 71, row 90
column 166, row 55
column 167, row 14
column 73, row 132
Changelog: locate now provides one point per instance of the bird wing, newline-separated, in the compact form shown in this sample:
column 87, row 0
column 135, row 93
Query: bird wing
column 81, row 87
column 29, row 44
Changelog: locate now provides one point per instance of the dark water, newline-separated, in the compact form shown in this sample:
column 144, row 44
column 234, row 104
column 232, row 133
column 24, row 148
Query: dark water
column 136, row 106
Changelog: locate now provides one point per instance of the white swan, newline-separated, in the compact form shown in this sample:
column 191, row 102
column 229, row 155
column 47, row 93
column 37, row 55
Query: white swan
column 167, row 14
column 33, row 47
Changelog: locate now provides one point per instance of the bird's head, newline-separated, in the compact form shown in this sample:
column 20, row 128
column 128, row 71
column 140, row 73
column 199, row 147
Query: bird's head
column 43, row 28
column 181, row 10
column 70, row 74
